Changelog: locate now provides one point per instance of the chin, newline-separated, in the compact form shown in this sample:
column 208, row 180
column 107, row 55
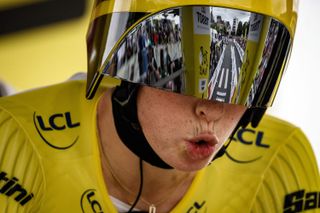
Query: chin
column 192, row 166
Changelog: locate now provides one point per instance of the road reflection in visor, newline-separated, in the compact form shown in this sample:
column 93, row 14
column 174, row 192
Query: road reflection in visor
column 213, row 53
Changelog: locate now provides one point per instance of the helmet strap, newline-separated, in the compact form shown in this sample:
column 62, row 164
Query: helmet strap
column 124, row 108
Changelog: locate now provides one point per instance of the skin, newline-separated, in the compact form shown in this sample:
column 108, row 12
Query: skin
column 168, row 121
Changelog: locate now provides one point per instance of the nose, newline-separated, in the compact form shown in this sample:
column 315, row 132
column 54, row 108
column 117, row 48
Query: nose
column 209, row 110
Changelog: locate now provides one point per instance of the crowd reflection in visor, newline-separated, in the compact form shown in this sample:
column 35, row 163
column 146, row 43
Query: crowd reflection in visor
column 239, row 50
column 152, row 53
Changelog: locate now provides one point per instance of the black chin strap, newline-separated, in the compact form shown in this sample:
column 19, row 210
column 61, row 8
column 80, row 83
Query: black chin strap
column 124, row 106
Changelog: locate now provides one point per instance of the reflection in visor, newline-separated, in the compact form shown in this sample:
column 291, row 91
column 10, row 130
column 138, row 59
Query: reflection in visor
column 152, row 52
column 220, row 54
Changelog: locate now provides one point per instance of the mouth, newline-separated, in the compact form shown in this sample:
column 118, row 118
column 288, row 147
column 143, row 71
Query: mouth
column 201, row 146
column 205, row 138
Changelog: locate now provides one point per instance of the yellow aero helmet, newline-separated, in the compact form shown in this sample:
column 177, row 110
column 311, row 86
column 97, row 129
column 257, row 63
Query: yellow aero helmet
column 228, row 51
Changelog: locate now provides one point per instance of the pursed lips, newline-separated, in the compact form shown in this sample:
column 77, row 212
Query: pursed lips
column 201, row 146
column 209, row 138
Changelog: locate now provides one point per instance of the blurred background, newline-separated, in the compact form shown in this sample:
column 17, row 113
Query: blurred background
column 43, row 42
column 298, row 99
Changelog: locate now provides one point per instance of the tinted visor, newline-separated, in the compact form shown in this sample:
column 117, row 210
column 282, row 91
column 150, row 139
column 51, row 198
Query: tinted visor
column 213, row 53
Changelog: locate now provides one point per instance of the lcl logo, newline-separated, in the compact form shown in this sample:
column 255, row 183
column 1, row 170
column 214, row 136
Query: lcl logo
column 197, row 207
column 54, row 123
column 252, row 138
column 89, row 202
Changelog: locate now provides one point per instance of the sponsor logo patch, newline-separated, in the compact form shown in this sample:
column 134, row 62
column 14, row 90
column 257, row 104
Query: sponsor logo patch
column 11, row 188
column 301, row 200
column 89, row 202
column 56, row 123
column 198, row 207
column 248, row 139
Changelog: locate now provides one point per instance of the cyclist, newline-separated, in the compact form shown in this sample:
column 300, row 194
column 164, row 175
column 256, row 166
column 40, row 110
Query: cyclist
column 156, row 146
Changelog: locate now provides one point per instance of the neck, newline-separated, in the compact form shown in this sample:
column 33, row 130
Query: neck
column 161, row 187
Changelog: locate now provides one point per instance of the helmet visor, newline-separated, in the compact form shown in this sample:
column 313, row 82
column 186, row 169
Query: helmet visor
column 221, row 54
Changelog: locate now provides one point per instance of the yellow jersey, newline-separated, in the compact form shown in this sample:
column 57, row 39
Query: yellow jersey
column 50, row 162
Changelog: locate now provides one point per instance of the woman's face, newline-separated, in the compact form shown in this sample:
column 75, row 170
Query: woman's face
column 185, row 132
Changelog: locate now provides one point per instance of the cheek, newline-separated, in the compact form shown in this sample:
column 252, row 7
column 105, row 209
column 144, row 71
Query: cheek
column 152, row 117
column 234, row 112
column 161, row 117
column 158, row 132
column 157, row 109
column 158, row 123
column 232, row 116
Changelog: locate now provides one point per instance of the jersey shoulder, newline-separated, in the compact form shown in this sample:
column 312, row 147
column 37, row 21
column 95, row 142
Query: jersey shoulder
column 21, row 173
column 273, row 134
column 39, row 130
column 290, row 181
column 271, row 168
column 278, row 129
column 45, row 112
